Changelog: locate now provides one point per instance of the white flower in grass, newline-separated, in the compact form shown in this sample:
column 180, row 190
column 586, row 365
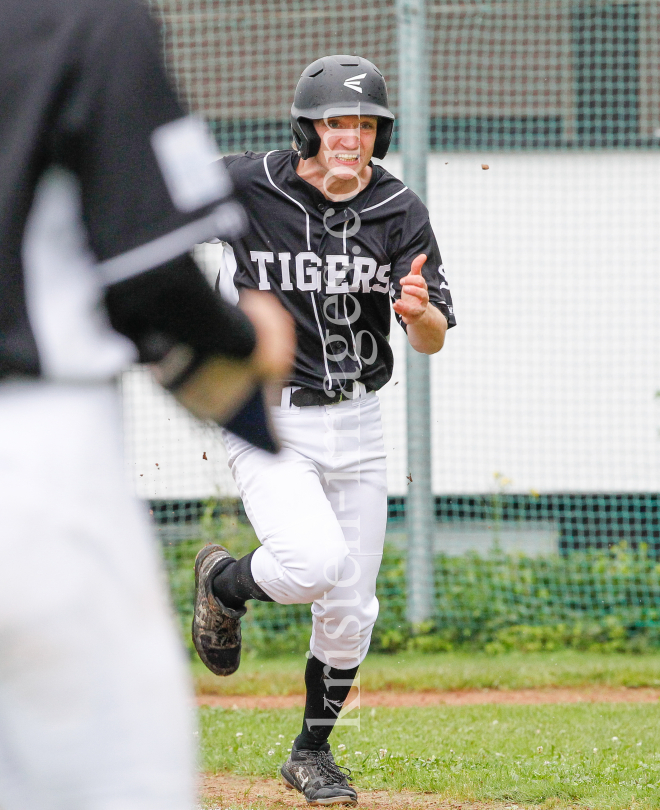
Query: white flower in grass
column 341, row 747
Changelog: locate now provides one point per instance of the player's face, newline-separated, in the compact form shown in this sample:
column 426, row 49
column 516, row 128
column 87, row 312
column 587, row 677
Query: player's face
column 347, row 144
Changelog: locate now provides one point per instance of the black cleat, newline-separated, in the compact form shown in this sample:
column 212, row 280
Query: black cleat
column 216, row 629
column 317, row 776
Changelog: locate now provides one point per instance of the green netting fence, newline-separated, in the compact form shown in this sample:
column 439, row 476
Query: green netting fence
column 543, row 188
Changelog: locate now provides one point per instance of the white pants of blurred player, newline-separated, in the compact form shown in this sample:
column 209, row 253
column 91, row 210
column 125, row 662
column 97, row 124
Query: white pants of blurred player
column 94, row 700
column 319, row 509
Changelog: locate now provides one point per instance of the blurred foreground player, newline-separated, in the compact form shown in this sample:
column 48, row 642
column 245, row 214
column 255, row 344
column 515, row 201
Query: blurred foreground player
column 104, row 187
column 335, row 238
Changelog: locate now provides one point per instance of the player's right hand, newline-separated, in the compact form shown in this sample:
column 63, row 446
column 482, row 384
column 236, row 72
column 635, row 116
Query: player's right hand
column 414, row 299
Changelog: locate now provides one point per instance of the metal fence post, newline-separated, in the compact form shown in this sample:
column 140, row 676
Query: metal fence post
column 413, row 127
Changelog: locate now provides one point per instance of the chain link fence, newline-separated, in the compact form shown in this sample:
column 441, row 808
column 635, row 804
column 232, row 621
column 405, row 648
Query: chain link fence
column 542, row 183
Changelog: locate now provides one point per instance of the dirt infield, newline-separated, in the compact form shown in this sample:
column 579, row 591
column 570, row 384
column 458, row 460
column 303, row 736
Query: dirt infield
column 224, row 790
column 528, row 697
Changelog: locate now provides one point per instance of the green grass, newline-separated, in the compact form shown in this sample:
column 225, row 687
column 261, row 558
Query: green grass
column 410, row 672
column 605, row 757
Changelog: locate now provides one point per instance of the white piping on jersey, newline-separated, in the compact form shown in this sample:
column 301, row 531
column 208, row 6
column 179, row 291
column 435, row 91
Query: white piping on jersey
column 371, row 207
column 325, row 358
column 293, row 200
column 350, row 329
column 226, row 218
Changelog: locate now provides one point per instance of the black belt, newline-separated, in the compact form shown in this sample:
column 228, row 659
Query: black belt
column 304, row 397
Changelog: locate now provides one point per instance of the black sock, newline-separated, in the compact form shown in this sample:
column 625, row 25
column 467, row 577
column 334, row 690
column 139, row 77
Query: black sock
column 327, row 689
column 234, row 585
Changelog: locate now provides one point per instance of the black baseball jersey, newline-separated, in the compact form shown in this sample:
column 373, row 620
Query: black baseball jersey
column 102, row 177
column 334, row 266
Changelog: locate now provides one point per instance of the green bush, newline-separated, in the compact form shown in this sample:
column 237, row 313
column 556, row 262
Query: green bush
column 606, row 600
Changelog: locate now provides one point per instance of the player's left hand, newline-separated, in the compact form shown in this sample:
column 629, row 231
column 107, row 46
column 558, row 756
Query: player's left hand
column 414, row 293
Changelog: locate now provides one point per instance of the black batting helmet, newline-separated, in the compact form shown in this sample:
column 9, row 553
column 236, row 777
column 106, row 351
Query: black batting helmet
column 339, row 85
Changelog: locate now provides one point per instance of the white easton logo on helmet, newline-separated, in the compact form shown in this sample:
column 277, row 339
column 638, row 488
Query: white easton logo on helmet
column 354, row 82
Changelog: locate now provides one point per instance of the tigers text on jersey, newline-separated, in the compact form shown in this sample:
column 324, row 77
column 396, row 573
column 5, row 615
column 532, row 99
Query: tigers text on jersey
column 334, row 266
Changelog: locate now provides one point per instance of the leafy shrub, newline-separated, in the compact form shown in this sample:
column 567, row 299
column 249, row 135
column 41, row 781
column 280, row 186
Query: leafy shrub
column 606, row 600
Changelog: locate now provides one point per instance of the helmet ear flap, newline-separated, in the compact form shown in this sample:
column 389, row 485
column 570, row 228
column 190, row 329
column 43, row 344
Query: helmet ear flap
column 383, row 137
column 306, row 137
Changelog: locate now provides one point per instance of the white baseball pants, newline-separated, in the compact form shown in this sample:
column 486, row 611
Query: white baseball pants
column 95, row 710
column 319, row 509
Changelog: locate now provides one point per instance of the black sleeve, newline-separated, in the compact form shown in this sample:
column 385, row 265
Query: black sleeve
column 246, row 275
column 424, row 241
column 173, row 305
column 118, row 98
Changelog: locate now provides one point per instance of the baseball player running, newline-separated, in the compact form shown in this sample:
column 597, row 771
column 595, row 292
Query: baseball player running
column 334, row 237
